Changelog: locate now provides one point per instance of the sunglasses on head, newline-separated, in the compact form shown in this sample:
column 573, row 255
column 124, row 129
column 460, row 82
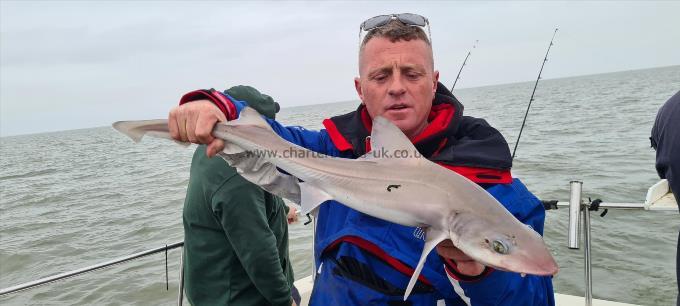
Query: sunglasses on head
column 405, row 18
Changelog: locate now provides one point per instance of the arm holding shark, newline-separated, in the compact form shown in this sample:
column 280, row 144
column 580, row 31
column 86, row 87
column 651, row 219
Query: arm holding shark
column 453, row 207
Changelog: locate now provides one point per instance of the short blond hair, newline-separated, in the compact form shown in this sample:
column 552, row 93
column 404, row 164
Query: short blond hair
column 395, row 30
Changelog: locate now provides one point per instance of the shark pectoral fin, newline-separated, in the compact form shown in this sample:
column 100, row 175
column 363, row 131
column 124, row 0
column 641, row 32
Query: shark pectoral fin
column 432, row 238
column 138, row 129
column 250, row 116
column 264, row 174
column 312, row 197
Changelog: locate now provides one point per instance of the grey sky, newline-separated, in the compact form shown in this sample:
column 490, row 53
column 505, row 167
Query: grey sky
column 67, row 65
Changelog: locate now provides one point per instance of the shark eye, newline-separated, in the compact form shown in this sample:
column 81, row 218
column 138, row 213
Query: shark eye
column 500, row 247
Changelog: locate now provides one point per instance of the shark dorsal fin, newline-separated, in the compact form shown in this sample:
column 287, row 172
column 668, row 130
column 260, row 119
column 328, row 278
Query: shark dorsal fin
column 387, row 138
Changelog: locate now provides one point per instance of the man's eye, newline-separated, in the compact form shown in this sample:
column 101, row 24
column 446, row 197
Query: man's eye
column 413, row 76
column 380, row 77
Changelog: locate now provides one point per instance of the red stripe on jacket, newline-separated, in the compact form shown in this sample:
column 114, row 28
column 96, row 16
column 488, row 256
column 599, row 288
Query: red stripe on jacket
column 379, row 253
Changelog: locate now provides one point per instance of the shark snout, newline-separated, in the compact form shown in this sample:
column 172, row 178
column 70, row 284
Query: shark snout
column 547, row 267
column 530, row 257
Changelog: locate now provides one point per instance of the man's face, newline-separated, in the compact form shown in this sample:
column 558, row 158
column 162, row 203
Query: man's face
column 397, row 81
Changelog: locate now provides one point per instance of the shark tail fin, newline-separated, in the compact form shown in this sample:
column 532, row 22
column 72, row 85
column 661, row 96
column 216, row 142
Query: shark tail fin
column 432, row 238
column 138, row 129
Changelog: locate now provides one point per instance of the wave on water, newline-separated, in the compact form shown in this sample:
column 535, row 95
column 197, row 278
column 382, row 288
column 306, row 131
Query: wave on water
column 28, row 174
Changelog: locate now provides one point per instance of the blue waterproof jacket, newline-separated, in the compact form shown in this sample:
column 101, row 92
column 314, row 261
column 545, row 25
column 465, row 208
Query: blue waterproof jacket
column 362, row 260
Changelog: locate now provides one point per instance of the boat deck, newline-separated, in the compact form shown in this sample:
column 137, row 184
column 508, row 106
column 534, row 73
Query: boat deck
column 305, row 285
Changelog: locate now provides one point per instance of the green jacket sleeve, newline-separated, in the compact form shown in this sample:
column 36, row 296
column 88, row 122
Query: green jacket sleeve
column 241, row 208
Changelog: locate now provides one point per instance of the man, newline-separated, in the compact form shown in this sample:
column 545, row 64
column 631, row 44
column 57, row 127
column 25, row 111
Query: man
column 235, row 234
column 666, row 141
column 363, row 260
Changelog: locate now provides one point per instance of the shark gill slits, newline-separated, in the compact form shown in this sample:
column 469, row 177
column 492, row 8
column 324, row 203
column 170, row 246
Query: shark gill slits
column 500, row 247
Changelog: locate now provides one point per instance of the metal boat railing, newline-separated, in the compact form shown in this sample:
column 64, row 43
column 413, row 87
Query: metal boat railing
column 61, row 276
column 579, row 226
column 579, row 222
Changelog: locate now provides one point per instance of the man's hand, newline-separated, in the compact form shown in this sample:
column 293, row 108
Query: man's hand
column 194, row 122
column 292, row 214
column 464, row 263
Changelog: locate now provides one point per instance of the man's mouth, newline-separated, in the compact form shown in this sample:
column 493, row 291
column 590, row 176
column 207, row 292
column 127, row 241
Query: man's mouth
column 397, row 107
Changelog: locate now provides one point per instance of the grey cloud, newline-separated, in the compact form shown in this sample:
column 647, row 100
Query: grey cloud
column 95, row 62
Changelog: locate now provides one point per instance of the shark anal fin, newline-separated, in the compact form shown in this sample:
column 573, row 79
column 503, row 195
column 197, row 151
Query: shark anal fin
column 432, row 238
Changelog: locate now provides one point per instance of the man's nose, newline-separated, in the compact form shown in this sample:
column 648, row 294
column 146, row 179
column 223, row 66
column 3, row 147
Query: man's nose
column 396, row 86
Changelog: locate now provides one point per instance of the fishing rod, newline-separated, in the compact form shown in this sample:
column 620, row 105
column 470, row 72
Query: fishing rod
column 532, row 94
column 463, row 65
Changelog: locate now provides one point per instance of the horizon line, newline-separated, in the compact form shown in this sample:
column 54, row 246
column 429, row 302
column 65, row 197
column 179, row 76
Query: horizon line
column 347, row 101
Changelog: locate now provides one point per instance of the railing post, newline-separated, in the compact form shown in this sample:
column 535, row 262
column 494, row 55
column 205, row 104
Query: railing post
column 576, row 205
column 574, row 213
column 586, row 256
column 180, row 294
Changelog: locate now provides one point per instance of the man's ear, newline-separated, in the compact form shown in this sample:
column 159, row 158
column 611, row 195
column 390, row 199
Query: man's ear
column 357, row 86
column 435, row 76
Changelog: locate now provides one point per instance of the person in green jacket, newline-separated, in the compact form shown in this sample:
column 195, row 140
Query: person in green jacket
column 235, row 233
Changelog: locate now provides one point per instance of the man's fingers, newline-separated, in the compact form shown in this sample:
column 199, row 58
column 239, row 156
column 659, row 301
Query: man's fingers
column 464, row 263
column 292, row 214
column 446, row 243
column 172, row 124
column 204, row 126
column 192, row 116
column 448, row 250
column 292, row 218
column 469, row 267
column 216, row 146
column 182, row 124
